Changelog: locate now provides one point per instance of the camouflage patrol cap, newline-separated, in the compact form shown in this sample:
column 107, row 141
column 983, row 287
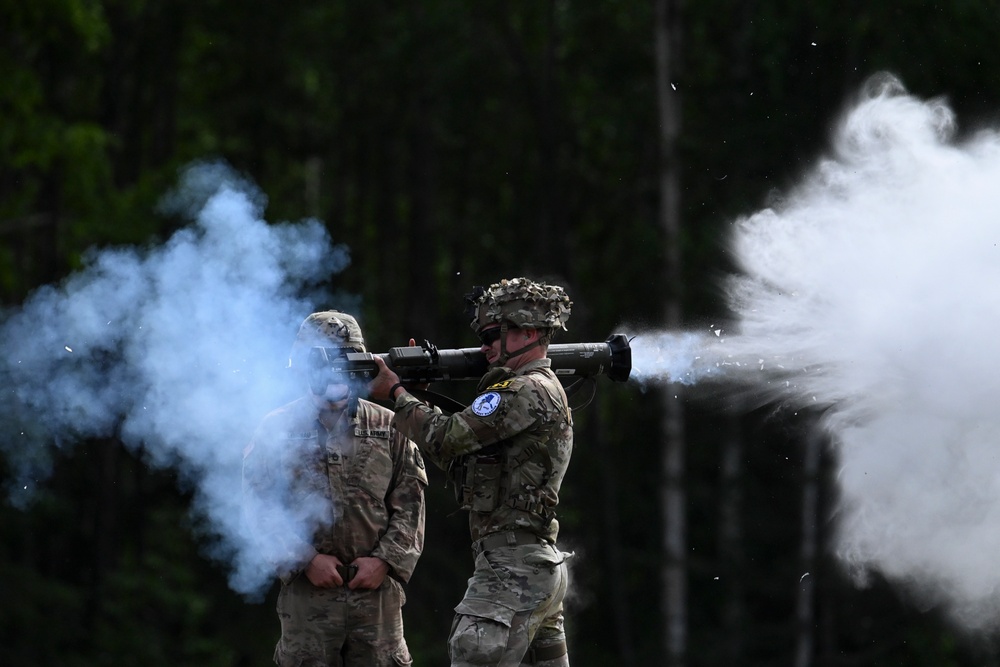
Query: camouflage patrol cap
column 522, row 302
column 326, row 328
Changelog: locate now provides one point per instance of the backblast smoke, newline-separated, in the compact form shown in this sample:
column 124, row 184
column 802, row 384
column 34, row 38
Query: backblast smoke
column 871, row 291
column 178, row 350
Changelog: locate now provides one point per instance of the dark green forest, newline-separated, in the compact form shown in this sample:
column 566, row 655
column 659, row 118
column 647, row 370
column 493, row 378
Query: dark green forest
column 449, row 144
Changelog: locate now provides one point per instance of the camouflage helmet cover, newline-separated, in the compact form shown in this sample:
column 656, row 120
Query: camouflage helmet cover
column 326, row 327
column 522, row 302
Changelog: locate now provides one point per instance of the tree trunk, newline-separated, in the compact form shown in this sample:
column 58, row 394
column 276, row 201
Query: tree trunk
column 672, row 494
column 805, row 604
column 731, row 536
column 621, row 623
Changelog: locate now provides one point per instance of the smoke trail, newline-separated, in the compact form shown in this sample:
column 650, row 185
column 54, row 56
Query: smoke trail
column 178, row 349
column 691, row 358
column 873, row 290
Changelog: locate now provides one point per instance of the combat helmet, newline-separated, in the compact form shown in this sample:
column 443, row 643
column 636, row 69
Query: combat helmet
column 329, row 328
column 521, row 302
column 322, row 329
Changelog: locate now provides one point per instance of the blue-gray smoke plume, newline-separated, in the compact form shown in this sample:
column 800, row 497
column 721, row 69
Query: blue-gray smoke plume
column 872, row 290
column 177, row 349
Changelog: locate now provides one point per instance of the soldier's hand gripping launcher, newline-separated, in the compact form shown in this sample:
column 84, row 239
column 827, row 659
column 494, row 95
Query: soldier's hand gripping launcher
column 426, row 363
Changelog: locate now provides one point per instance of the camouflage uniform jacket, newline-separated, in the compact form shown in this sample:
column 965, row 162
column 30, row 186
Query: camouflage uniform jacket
column 357, row 484
column 507, row 452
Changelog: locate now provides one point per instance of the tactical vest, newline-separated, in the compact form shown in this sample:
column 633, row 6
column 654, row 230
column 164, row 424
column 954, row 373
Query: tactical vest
column 489, row 479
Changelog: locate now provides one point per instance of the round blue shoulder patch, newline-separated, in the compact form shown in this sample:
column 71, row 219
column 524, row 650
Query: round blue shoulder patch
column 486, row 404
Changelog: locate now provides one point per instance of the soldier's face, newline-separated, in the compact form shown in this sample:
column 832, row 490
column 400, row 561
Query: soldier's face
column 335, row 397
column 490, row 339
column 489, row 335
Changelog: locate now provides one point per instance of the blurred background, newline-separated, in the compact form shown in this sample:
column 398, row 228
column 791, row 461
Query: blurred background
column 608, row 146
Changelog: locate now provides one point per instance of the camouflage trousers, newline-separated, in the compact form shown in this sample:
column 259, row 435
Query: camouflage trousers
column 512, row 610
column 338, row 627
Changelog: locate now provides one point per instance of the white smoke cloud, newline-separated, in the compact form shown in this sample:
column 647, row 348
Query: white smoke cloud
column 687, row 358
column 178, row 349
column 873, row 290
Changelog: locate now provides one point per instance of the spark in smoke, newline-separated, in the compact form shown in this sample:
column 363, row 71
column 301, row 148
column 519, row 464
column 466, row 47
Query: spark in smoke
column 687, row 358
column 177, row 350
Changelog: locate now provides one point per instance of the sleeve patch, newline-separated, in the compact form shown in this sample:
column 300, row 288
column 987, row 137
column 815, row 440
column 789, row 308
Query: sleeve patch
column 486, row 404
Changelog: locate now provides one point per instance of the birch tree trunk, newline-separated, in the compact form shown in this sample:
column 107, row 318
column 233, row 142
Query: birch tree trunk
column 621, row 623
column 672, row 494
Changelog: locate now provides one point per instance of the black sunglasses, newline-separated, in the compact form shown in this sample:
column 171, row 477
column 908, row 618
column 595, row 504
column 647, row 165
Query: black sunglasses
column 490, row 336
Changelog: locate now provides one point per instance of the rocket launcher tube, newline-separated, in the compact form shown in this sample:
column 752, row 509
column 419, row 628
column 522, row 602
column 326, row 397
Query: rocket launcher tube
column 425, row 364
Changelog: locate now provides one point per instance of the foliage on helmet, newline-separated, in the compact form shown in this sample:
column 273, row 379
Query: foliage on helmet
column 325, row 329
column 522, row 302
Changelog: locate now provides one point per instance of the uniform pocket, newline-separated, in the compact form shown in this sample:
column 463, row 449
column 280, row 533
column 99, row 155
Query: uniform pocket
column 481, row 630
column 547, row 556
column 397, row 589
column 489, row 609
column 485, row 483
column 372, row 470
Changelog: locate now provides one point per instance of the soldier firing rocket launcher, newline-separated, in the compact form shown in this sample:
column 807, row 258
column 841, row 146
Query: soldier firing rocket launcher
column 517, row 302
column 424, row 364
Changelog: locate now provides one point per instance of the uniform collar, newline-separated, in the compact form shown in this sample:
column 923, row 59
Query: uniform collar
column 544, row 362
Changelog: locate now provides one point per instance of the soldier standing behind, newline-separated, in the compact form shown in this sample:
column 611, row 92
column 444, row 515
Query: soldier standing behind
column 507, row 454
column 335, row 461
